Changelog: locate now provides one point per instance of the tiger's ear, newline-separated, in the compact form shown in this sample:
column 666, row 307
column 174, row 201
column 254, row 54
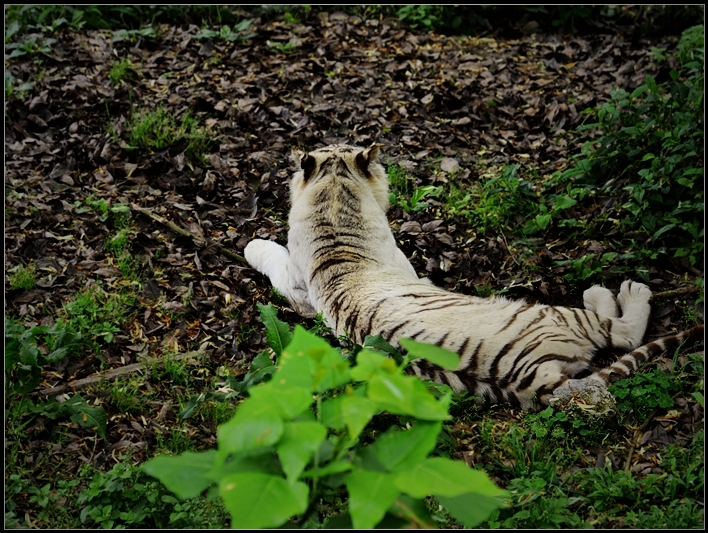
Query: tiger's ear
column 305, row 161
column 368, row 156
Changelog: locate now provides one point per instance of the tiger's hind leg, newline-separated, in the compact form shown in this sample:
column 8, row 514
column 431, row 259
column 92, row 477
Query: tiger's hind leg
column 273, row 260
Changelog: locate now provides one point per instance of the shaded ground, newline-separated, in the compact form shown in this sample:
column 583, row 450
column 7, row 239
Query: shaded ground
column 445, row 108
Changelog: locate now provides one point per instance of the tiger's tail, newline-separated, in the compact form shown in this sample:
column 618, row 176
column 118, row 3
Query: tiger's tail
column 628, row 363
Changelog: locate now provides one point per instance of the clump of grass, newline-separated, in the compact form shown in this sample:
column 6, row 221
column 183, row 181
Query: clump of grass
column 158, row 129
column 96, row 313
column 25, row 277
column 120, row 71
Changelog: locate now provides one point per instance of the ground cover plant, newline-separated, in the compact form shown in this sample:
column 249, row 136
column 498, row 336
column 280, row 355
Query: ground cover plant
column 532, row 157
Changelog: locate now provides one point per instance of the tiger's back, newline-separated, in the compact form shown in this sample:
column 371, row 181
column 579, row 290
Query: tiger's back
column 342, row 260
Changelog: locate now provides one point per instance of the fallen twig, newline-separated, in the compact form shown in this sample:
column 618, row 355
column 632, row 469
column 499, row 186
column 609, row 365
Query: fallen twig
column 181, row 231
column 114, row 373
column 687, row 289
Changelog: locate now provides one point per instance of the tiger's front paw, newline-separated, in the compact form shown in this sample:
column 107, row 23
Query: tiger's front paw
column 256, row 253
column 633, row 294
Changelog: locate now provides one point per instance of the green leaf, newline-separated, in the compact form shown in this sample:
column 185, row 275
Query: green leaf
column 87, row 416
column 255, row 425
column 288, row 402
column 186, row 474
column 277, row 332
column 357, row 412
column 370, row 496
column 406, row 395
column 398, row 448
column 471, row 509
column 298, row 445
column 294, row 364
column 377, row 342
column 543, row 221
column 258, row 500
column 444, row 477
column 439, row 356
column 563, row 202
column 329, row 369
column 331, row 412
column 370, row 363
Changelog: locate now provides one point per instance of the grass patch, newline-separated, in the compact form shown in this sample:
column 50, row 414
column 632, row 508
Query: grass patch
column 158, row 129
column 24, row 277
column 97, row 314
column 120, row 71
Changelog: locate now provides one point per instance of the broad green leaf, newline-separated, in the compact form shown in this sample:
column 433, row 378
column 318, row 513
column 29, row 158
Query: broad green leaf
column 329, row 370
column 357, row 413
column 331, row 412
column 277, row 332
column 563, row 202
column 288, row 402
column 186, row 474
column 399, row 448
column 543, row 221
column 258, row 500
column 444, row 477
column 295, row 365
column 471, row 509
column 255, row 425
column 370, row 496
column 369, row 363
column 85, row 415
column 406, row 395
column 439, row 356
column 298, row 445
column 412, row 511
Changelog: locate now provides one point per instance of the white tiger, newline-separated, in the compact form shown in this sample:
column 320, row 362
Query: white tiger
column 342, row 260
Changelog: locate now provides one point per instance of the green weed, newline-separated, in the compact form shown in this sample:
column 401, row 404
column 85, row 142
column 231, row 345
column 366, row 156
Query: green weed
column 401, row 185
column 129, row 396
column 238, row 33
column 501, row 204
column 24, row 277
column 158, row 129
column 126, row 497
column 120, row 71
column 96, row 314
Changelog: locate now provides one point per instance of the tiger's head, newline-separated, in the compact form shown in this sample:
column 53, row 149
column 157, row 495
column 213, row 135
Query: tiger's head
column 337, row 164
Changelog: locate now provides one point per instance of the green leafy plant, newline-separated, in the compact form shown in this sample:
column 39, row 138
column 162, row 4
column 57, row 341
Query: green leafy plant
column 23, row 357
column 645, row 391
column 126, row 497
column 27, row 351
column 238, row 33
column 283, row 48
column 302, row 435
column 649, row 154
